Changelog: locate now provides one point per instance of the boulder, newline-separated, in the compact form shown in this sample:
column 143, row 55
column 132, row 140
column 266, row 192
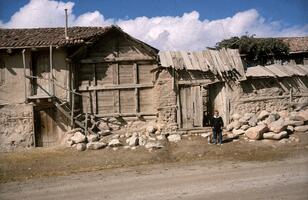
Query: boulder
column 283, row 113
column 303, row 114
column 296, row 117
column 278, row 126
column 301, row 128
column 253, row 120
column 142, row 140
column 256, row 133
column 154, row 145
column 271, row 118
column 133, row 141
column 290, row 129
column 230, row 127
column 114, row 143
column 246, row 118
column 174, row 138
column 263, row 114
column 237, row 124
column 294, row 123
column 161, row 137
column 78, row 137
column 96, row 145
column 92, row 138
column 238, row 132
column 236, row 116
column 245, row 127
column 275, row 136
column 81, row 147
column 151, row 129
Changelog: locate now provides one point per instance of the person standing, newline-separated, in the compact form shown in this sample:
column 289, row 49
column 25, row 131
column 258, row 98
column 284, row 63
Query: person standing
column 217, row 124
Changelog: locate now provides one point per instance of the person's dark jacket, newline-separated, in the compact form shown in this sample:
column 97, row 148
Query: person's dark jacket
column 217, row 123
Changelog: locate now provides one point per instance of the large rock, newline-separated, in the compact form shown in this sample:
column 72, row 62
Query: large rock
column 246, row 118
column 238, row 132
column 253, row 120
column 230, row 127
column 142, row 140
column 278, row 126
column 271, row 118
column 81, row 147
column 151, row 129
column 283, row 113
column 303, row 114
column 301, row 128
column 275, row 136
column 290, row 129
column 78, row 137
column 263, row 114
column 236, row 116
column 294, row 123
column 114, row 143
column 154, row 145
column 92, row 138
column 96, row 145
column 256, row 133
column 133, row 141
column 294, row 116
column 234, row 125
column 174, row 138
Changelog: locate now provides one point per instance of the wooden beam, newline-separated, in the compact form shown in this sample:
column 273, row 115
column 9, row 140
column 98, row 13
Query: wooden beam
column 51, row 82
column 135, row 75
column 116, row 81
column 125, row 114
column 25, row 78
column 72, row 110
column 115, row 87
column 115, row 59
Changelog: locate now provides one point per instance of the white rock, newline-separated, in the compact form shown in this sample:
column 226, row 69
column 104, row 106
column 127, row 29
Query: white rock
column 290, row 128
column 263, row 114
column 174, row 138
column 78, row 137
column 256, row 133
column 80, row 146
column 133, row 141
column 238, row 132
column 154, row 145
column 236, row 116
column 96, row 145
column 278, row 126
column 161, row 137
column 245, row 127
column 275, row 136
column 142, row 140
column 151, row 129
column 205, row 135
column 92, row 138
column 301, row 128
column 114, row 143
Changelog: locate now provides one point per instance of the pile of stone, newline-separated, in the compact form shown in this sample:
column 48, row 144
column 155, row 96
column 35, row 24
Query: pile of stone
column 268, row 125
column 150, row 138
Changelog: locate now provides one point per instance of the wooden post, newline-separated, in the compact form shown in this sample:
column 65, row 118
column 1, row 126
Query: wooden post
column 25, row 78
column 51, row 83
column 86, row 125
column 72, row 109
column 135, row 75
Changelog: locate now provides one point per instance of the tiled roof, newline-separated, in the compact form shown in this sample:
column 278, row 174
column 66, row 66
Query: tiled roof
column 39, row 37
column 297, row 44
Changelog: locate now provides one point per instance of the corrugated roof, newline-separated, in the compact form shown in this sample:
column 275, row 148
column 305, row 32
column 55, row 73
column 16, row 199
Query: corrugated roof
column 224, row 62
column 276, row 70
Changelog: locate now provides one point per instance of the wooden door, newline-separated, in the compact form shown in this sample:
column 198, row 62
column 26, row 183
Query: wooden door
column 45, row 134
column 191, row 107
column 41, row 69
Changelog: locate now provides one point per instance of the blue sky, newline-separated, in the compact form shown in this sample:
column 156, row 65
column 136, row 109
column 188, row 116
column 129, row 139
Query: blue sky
column 191, row 24
column 289, row 11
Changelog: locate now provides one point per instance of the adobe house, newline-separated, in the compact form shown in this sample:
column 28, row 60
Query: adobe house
column 93, row 78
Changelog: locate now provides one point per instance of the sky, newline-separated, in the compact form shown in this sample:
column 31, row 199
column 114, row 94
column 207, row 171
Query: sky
column 166, row 24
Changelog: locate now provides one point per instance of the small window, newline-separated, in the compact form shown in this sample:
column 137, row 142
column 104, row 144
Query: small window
column 2, row 73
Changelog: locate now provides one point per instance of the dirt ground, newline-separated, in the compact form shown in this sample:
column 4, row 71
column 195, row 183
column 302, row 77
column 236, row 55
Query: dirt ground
column 60, row 161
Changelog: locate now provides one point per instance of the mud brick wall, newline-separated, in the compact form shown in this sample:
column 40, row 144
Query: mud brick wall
column 16, row 126
column 166, row 101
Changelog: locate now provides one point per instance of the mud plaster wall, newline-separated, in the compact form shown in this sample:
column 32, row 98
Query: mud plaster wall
column 16, row 126
column 166, row 101
column 259, row 94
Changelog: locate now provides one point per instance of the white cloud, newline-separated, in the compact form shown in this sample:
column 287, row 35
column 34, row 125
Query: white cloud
column 185, row 32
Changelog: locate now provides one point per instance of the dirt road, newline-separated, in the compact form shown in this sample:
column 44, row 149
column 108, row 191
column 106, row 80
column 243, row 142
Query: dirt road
column 284, row 179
